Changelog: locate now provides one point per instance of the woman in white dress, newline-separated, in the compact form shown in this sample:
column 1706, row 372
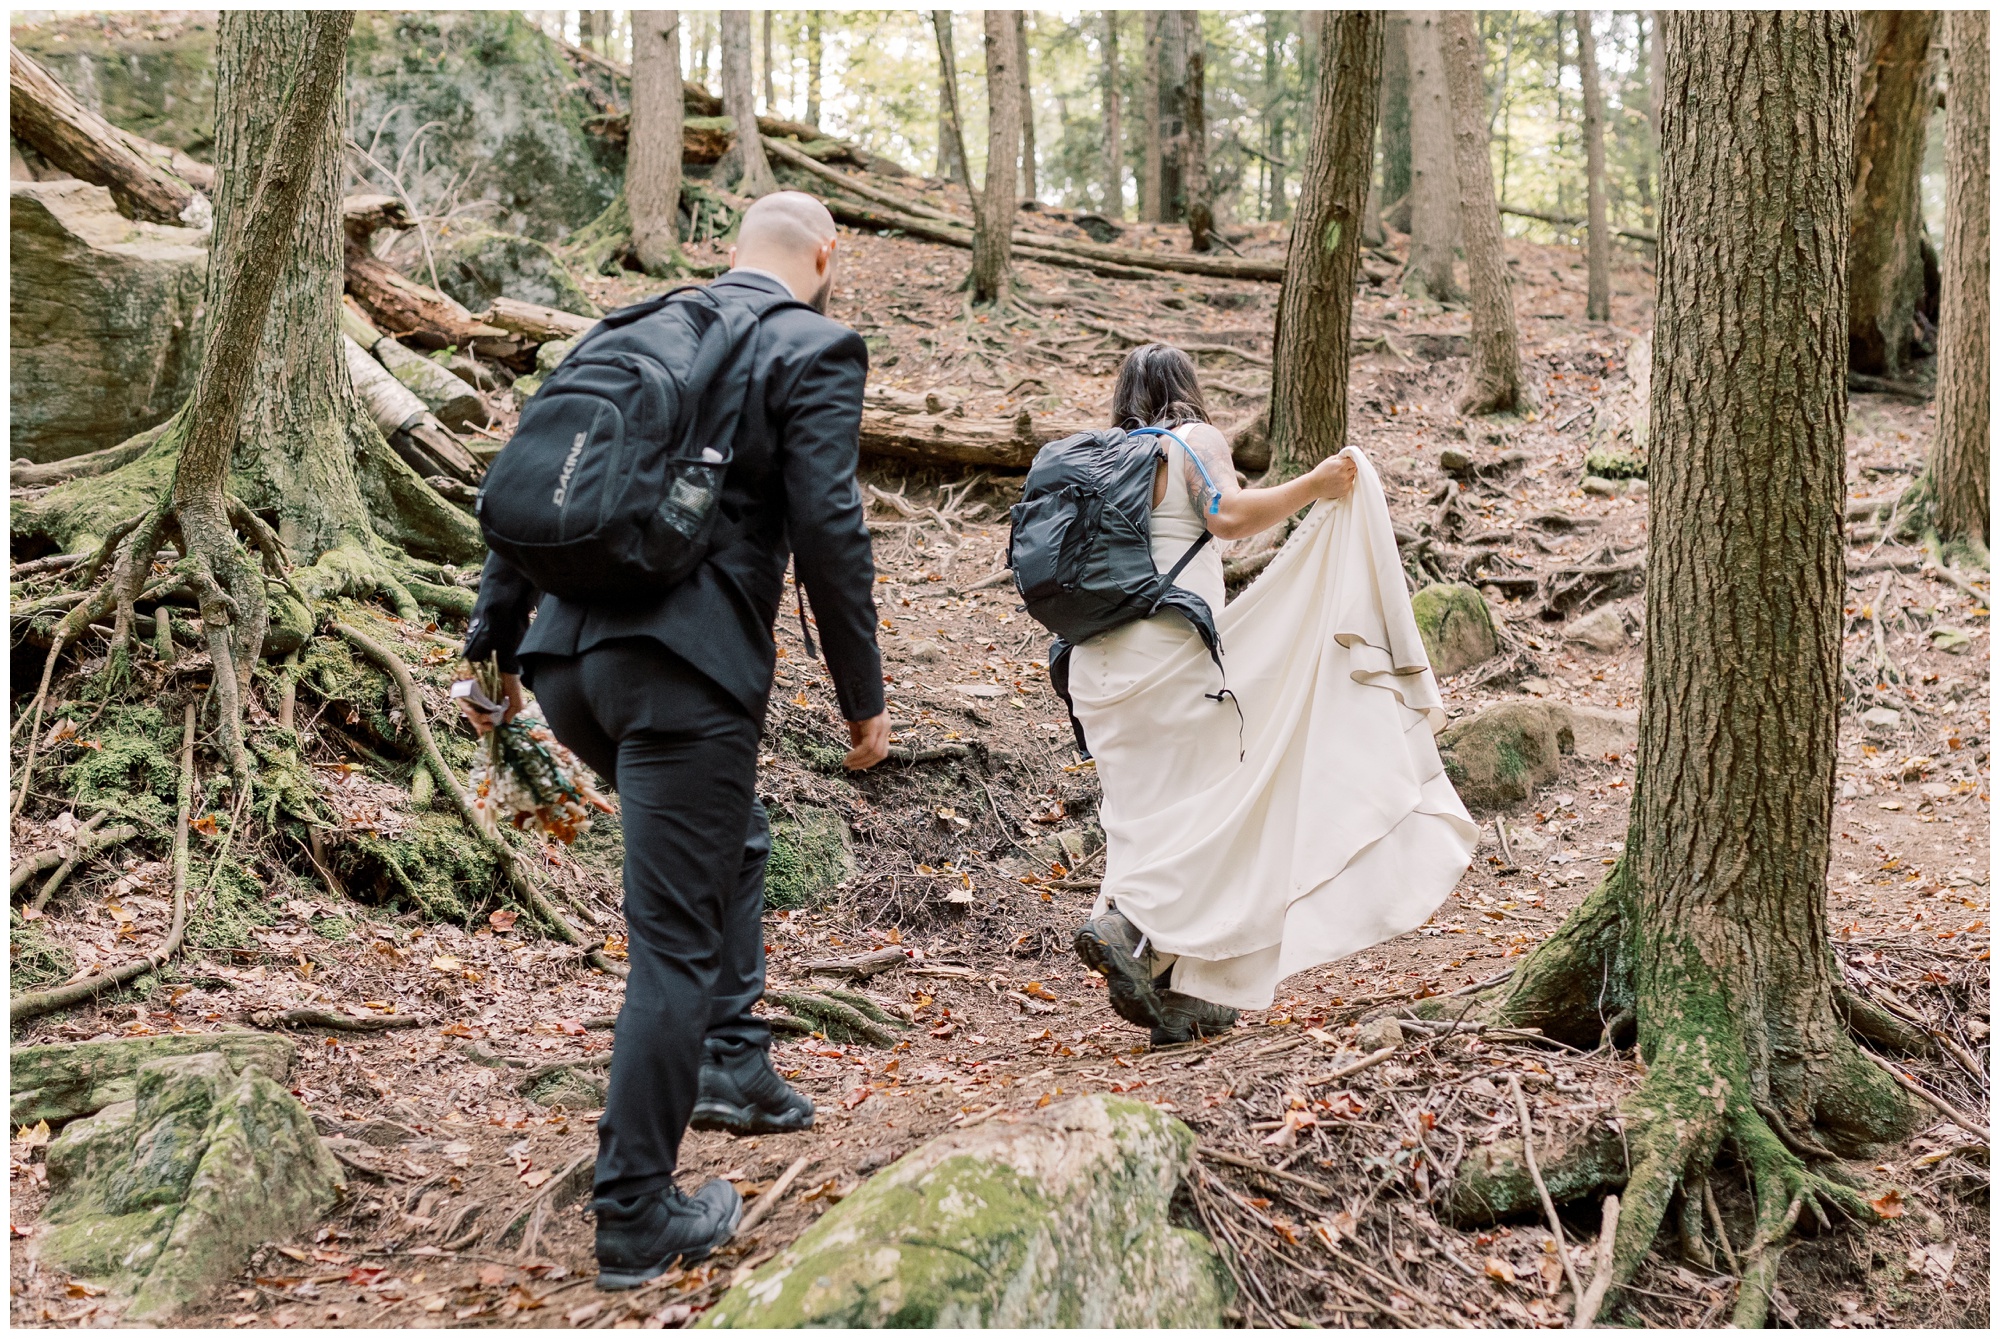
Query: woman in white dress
column 1246, row 847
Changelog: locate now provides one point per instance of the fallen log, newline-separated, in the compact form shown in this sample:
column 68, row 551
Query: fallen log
column 413, row 432
column 861, row 216
column 1564, row 221
column 44, row 116
column 1265, row 271
column 400, row 306
column 453, row 402
column 865, row 965
column 1002, row 443
column 533, row 324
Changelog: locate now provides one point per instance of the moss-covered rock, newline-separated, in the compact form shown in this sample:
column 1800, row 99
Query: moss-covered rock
column 150, row 73
column 1499, row 756
column 477, row 265
column 1058, row 1219
column 106, row 328
column 498, row 109
column 1611, row 462
column 161, row 1197
column 1457, row 627
column 61, row 1082
column 810, row 854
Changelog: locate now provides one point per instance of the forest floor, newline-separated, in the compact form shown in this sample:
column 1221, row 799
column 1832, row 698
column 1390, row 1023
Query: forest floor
column 976, row 853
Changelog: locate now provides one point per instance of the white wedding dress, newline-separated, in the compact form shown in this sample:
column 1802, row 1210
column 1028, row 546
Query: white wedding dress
column 1324, row 823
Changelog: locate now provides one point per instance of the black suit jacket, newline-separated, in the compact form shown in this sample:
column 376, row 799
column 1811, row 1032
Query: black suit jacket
column 789, row 493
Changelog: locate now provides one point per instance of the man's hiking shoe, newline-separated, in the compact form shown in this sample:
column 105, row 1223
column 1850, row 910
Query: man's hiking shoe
column 642, row 1239
column 746, row 1096
column 1184, row 1018
column 1109, row 946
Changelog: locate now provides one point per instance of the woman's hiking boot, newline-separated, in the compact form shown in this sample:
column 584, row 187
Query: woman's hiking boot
column 1112, row 947
column 742, row 1094
column 640, row 1239
column 1184, row 1018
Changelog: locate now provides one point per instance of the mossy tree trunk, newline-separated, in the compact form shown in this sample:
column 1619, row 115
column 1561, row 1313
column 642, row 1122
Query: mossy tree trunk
column 1497, row 385
column 1022, row 77
column 1959, row 449
column 1316, row 304
column 994, row 204
column 1114, row 141
column 1597, row 301
column 1433, row 171
column 653, row 161
column 1710, row 936
column 275, row 445
column 745, row 158
column 1896, row 92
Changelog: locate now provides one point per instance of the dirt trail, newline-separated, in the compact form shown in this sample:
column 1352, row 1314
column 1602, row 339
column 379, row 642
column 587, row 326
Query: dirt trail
column 967, row 853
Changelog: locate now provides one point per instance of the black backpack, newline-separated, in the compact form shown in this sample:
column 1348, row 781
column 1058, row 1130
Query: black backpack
column 607, row 492
column 1082, row 554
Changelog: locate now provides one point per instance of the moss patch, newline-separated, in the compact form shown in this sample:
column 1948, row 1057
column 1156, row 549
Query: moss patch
column 132, row 770
column 809, row 855
column 1456, row 626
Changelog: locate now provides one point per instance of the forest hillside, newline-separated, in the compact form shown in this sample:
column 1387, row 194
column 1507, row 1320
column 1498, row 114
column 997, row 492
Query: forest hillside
column 281, row 288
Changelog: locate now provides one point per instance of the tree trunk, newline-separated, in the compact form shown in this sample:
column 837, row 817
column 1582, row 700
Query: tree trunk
column 951, row 125
column 1113, row 206
column 1896, row 91
column 1394, row 114
column 1597, row 303
column 1153, row 161
column 653, row 153
column 1309, row 352
column 1496, row 385
column 1172, row 111
column 1028, row 177
column 994, row 205
column 1958, row 456
column 745, row 160
column 1194, row 120
column 813, row 54
column 261, row 217
column 770, row 71
column 1713, row 928
column 1434, row 191
column 1276, row 206
column 44, row 116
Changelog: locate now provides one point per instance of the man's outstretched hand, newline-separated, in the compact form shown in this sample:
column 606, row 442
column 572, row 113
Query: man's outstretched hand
column 871, row 742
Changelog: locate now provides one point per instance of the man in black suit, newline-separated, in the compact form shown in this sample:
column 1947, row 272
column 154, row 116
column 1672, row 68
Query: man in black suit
column 666, row 702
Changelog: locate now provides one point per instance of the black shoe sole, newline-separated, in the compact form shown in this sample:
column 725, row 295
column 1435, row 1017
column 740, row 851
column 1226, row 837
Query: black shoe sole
column 731, row 1119
column 622, row 1280
column 1133, row 996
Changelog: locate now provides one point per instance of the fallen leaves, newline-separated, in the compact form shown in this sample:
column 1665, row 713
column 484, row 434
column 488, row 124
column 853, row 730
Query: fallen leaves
column 1888, row 1204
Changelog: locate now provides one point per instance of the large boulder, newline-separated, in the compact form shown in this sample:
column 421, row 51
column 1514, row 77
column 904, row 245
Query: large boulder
column 478, row 105
column 1499, row 756
column 107, row 324
column 152, row 73
column 1457, row 627
column 161, row 1197
column 1058, row 1218
column 62, row 1082
column 476, row 265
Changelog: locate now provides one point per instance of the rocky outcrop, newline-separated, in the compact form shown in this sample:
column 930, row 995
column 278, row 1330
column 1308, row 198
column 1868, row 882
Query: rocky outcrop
column 478, row 105
column 1058, row 1218
column 106, row 334
column 1457, row 627
column 161, row 1196
column 477, row 265
column 810, row 853
column 1499, row 756
column 59, row 1083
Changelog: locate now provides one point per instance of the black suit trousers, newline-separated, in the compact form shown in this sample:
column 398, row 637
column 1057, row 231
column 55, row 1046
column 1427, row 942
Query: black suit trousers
column 682, row 754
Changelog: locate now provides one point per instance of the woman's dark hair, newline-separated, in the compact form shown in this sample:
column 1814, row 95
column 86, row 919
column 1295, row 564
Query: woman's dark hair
column 1157, row 387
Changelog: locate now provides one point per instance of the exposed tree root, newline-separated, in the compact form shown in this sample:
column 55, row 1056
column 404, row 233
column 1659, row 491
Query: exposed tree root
column 517, row 877
column 1702, row 1095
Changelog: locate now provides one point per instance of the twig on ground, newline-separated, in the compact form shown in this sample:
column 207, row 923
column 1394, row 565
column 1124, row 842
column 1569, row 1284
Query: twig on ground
column 1915, row 1089
column 1593, row 1296
column 337, row 1022
column 769, row 1200
column 1348, row 1071
column 1214, row 1154
column 1541, row 1186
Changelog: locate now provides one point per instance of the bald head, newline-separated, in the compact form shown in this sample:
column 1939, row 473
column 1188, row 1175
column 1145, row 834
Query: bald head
column 790, row 234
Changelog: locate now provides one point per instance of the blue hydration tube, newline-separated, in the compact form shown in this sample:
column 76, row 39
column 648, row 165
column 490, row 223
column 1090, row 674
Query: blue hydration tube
column 1215, row 494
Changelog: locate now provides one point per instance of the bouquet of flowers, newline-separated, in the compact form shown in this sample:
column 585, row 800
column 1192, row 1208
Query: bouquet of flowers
column 525, row 776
